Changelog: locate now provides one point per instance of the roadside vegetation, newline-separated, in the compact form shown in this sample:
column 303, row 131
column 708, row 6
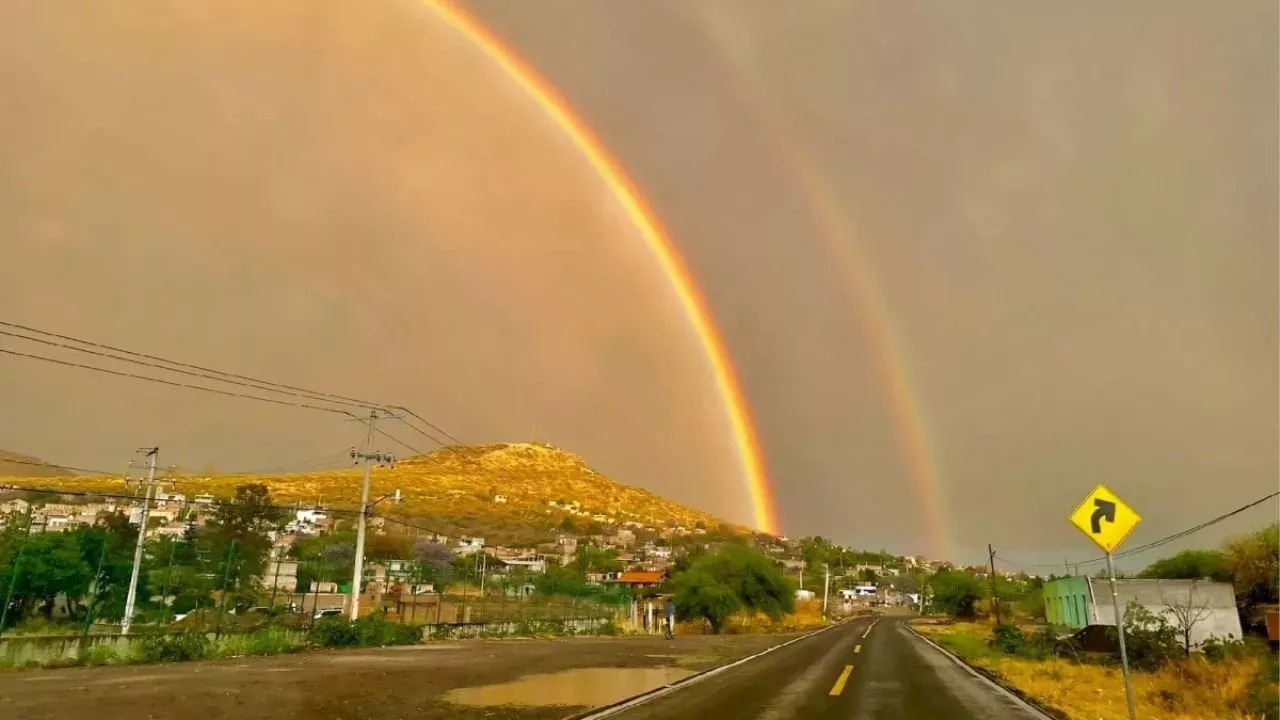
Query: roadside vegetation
column 1225, row 679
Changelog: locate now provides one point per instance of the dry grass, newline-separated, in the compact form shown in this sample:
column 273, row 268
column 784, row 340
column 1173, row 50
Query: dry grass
column 452, row 490
column 808, row 616
column 1193, row 689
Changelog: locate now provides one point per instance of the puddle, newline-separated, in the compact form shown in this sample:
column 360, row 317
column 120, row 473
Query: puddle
column 585, row 686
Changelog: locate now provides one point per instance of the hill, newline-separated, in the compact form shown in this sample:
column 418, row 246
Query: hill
column 455, row 490
column 17, row 465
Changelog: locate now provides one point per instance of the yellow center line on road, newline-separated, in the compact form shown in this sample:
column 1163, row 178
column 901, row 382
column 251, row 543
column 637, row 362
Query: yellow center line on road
column 857, row 649
column 840, row 681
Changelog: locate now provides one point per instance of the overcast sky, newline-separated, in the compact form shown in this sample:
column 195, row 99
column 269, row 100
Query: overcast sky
column 1064, row 214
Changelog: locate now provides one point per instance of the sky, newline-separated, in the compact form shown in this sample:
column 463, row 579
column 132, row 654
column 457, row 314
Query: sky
column 968, row 260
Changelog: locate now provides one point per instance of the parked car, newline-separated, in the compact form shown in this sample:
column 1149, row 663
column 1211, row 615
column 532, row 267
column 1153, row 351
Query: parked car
column 327, row 613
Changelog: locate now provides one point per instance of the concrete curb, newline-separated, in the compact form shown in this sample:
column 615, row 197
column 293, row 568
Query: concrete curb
column 998, row 687
column 654, row 694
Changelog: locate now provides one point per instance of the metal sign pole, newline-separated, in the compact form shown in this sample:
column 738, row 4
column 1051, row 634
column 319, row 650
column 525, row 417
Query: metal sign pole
column 1124, row 655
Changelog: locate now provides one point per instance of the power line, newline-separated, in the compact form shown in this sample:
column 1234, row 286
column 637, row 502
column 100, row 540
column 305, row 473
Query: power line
column 135, row 376
column 41, row 463
column 167, row 361
column 205, row 372
column 1155, row 543
column 158, row 366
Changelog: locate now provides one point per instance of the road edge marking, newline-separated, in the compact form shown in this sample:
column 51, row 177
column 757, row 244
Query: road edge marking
column 969, row 668
column 840, row 681
column 656, row 693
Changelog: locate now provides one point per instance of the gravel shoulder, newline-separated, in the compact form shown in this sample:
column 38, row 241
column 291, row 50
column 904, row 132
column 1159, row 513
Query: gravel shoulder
column 400, row 682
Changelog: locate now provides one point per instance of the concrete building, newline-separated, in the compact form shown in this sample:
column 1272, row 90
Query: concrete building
column 1078, row 602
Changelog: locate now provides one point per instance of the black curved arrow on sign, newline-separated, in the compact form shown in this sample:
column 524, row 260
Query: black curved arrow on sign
column 1106, row 510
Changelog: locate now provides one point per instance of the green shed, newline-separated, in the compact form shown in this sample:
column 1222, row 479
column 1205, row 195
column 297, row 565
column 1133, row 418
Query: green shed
column 1067, row 601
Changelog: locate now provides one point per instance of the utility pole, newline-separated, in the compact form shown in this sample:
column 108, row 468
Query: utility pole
column 995, row 596
column 368, row 458
column 1124, row 655
column 132, row 597
column 826, row 585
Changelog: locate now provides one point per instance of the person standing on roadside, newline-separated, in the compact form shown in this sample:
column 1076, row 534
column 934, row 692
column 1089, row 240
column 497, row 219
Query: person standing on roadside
column 671, row 619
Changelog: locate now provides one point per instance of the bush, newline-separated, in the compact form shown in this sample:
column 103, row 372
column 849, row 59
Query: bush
column 368, row 631
column 1008, row 639
column 100, row 655
column 1011, row 640
column 173, row 647
column 1150, row 640
column 1218, row 649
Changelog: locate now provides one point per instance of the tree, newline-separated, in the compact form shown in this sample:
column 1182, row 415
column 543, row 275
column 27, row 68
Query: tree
column 592, row 558
column 433, row 563
column 1254, row 562
column 1190, row 565
column 1187, row 614
column 237, row 535
column 955, row 592
column 868, row 575
column 732, row 578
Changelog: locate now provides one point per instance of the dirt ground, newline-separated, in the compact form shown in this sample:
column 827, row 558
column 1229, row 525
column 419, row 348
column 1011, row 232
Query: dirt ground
column 399, row 682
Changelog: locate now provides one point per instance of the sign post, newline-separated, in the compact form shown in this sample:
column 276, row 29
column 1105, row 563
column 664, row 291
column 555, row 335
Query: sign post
column 1107, row 521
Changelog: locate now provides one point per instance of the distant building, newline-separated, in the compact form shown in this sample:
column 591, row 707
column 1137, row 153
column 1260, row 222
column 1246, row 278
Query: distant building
column 500, row 499
column 1080, row 602
column 641, row 579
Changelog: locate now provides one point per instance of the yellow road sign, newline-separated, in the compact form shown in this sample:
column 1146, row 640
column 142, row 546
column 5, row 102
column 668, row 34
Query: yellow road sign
column 1105, row 518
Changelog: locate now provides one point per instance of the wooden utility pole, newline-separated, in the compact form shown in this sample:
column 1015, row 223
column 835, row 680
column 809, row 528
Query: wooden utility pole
column 995, row 595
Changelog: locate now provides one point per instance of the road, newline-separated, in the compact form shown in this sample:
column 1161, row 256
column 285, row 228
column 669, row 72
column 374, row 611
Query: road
column 866, row 669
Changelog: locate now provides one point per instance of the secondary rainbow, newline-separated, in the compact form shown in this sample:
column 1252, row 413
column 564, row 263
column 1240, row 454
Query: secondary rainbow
column 751, row 456
column 837, row 232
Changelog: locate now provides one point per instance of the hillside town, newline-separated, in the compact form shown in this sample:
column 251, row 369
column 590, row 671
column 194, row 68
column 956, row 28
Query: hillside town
column 625, row 551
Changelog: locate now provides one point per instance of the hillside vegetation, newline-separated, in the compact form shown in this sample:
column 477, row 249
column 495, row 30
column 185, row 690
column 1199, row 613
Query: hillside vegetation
column 453, row 491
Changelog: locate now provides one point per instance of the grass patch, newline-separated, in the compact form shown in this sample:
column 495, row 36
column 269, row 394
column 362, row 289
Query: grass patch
column 1234, row 687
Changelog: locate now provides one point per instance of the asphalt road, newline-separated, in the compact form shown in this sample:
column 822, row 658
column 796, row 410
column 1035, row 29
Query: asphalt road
column 863, row 670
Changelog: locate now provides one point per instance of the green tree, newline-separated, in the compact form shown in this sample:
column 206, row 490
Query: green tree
column 245, row 520
column 955, row 592
column 1254, row 562
column 1190, row 565
column 591, row 558
column 732, row 578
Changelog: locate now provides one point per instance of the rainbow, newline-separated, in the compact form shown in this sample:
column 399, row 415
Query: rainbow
column 871, row 308
column 751, row 456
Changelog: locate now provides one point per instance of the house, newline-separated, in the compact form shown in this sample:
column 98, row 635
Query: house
column 56, row 523
column 1081, row 602
column 15, row 506
column 659, row 552
column 802, row 594
column 202, row 499
column 166, row 499
column 469, row 546
column 175, row 531
column 640, row 579
column 532, row 563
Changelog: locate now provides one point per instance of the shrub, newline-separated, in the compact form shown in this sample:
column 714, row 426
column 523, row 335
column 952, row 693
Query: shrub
column 1150, row 640
column 368, row 631
column 1008, row 639
column 173, row 647
column 1219, row 649
column 101, row 655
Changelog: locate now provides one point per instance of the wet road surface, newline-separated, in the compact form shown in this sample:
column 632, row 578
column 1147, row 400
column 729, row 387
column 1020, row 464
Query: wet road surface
column 866, row 669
